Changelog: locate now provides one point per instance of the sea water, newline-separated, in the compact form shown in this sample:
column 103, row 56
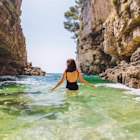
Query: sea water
column 29, row 111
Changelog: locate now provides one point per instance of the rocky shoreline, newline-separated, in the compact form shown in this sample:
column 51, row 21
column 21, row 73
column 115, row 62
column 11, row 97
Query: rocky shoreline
column 125, row 73
column 30, row 70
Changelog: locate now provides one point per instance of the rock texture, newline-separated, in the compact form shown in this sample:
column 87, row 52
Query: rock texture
column 13, row 55
column 30, row 70
column 108, row 40
column 122, row 30
column 90, row 52
column 126, row 73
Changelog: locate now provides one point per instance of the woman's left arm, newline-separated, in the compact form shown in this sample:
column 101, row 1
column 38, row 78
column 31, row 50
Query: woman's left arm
column 84, row 81
column 60, row 82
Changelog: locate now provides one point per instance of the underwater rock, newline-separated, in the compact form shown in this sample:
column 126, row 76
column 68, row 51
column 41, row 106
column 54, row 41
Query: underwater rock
column 7, row 78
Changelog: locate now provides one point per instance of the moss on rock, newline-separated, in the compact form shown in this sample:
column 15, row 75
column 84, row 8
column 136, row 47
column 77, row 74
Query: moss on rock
column 132, row 25
column 126, row 7
column 114, row 2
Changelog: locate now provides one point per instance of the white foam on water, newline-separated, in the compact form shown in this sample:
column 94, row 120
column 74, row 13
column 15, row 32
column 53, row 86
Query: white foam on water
column 121, row 86
column 9, row 77
column 137, row 99
column 46, row 99
column 15, row 80
column 18, row 82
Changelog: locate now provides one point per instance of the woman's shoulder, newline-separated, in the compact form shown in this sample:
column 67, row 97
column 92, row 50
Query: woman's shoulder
column 77, row 70
column 71, row 72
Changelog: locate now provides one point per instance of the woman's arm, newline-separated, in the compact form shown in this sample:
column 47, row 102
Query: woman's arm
column 60, row 82
column 84, row 81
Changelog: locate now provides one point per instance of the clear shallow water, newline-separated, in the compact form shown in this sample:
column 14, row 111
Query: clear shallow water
column 29, row 111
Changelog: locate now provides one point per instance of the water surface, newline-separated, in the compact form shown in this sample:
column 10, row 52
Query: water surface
column 29, row 111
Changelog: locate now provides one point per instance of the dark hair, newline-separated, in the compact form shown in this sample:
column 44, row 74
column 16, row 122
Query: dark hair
column 71, row 65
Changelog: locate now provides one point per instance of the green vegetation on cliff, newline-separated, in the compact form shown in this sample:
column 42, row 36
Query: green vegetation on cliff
column 72, row 23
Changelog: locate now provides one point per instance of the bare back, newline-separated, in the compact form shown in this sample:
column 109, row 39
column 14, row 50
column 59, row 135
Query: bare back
column 72, row 76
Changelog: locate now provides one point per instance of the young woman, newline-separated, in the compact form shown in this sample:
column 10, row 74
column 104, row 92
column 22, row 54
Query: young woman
column 71, row 74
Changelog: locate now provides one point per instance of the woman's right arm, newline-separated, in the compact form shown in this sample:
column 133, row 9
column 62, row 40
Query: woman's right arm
column 84, row 81
column 60, row 82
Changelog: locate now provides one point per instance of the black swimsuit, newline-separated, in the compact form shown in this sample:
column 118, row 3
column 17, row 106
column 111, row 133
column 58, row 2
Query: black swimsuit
column 71, row 85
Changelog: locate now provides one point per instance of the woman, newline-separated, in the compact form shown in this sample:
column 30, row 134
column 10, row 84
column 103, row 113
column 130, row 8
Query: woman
column 71, row 74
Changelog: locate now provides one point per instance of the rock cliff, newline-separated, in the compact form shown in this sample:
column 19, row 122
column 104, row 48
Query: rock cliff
column 90, row 51
column 13, row 55
column 109, row 39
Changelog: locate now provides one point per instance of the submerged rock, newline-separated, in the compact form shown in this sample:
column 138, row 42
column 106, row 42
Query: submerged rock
column 7, row 78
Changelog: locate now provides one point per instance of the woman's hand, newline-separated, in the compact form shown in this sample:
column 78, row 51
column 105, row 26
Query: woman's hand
column 93, row 86
column 52, row 89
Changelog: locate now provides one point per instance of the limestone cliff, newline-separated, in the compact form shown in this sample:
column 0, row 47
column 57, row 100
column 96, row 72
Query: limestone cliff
column 90, row 52
column 13, row 55
column 109, row 34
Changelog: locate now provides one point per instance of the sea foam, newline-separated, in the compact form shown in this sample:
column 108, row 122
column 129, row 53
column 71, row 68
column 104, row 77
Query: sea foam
column 120, row 86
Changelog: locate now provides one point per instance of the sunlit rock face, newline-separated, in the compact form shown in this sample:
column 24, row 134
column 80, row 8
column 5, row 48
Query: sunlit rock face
column 109, row 34
column 13, row 55
column 90, row 52
column 122, row 30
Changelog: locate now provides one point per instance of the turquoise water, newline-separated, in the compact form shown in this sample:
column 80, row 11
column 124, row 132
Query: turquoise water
column 29, row 111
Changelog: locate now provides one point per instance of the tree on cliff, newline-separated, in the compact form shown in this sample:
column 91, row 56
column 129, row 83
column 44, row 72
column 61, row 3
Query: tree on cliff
column 72, row 23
